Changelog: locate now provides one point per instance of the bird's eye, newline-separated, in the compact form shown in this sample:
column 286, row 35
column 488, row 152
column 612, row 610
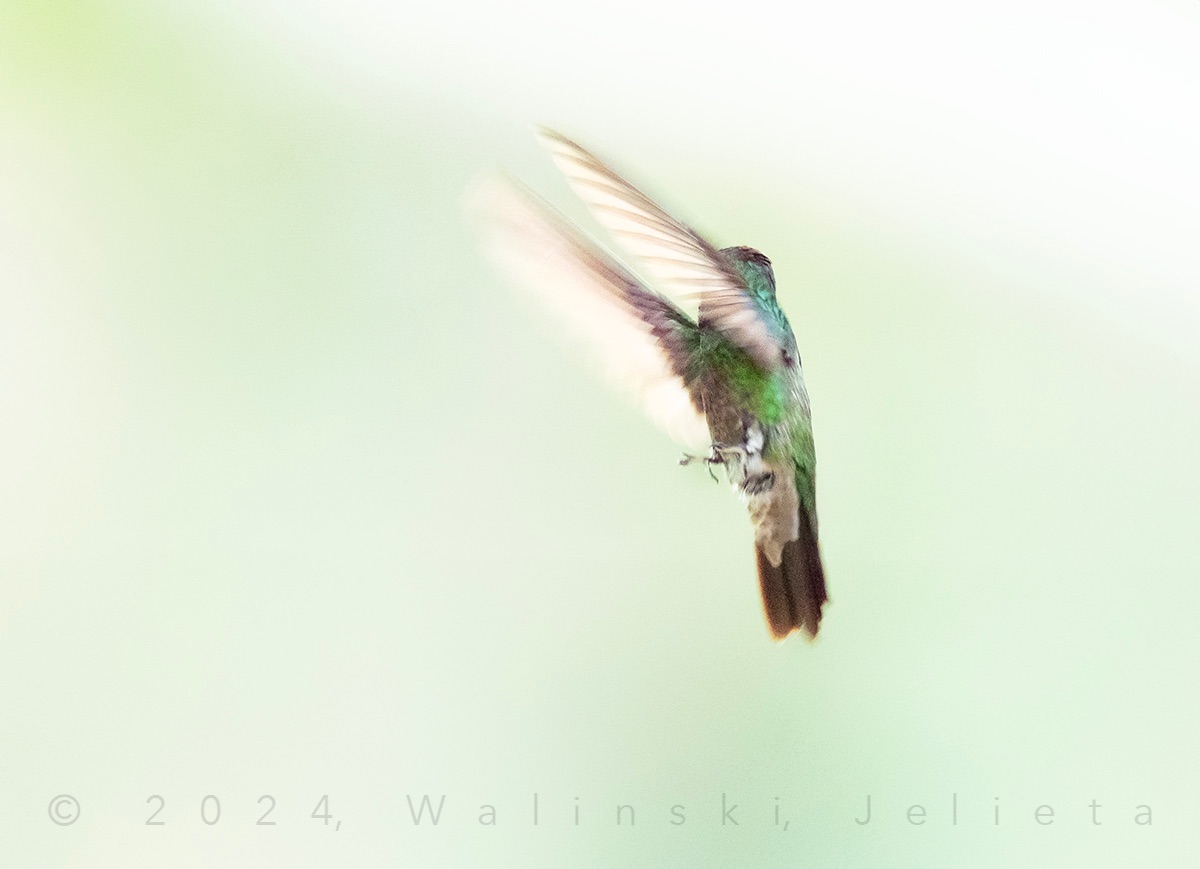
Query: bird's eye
column 788, row 360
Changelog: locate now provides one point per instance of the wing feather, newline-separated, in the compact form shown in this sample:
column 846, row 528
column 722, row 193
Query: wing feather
column 673, row 253
column 640, row 339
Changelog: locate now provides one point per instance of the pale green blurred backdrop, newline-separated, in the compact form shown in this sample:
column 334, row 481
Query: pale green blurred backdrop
column 297, row 499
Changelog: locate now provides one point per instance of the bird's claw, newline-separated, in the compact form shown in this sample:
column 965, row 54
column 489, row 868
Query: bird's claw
column 713, row 458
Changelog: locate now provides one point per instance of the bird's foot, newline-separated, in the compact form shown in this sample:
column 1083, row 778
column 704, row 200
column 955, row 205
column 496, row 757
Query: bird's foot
column 756, row 484
column 713, row 458
column 721, row 452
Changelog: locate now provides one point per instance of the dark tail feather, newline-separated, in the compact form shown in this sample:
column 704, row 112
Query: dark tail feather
column 794, row 592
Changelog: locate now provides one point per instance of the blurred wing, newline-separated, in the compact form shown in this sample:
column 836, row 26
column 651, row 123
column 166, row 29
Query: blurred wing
column 673, row 253
column 641, row 340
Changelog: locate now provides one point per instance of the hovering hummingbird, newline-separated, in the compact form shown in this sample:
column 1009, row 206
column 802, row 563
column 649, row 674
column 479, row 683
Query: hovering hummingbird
column 728, row 379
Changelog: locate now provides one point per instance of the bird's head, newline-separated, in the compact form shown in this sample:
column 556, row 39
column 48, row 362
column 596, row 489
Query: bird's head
column 754, row 267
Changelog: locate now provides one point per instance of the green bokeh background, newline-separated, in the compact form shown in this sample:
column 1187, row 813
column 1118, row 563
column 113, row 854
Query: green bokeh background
column 296, row 499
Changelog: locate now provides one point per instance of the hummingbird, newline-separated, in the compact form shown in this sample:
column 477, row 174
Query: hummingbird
column 711, row 358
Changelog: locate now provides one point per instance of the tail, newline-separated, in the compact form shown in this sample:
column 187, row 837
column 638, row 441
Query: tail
column 794, row 590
